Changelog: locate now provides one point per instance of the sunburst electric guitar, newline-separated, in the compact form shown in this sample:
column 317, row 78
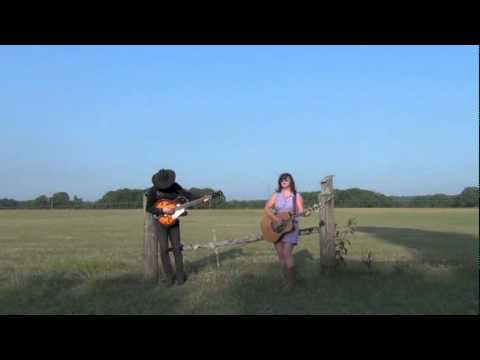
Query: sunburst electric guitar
column 273, row 231
column 178, row 208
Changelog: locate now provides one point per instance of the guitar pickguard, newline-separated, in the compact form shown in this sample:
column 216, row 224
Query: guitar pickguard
column 178, row 213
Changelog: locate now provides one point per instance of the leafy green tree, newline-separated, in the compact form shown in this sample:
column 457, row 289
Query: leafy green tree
column 60, row 199
column 8, row 203
column 468, row 197
column 122, row 198
column 356, row 197
column 77, row 202
column 41, row 202
column 432, row 201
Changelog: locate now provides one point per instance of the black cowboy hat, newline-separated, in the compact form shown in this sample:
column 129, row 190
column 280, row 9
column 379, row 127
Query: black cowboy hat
column 163, row 179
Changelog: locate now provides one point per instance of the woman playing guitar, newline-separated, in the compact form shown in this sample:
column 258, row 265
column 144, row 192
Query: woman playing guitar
column 286, row 199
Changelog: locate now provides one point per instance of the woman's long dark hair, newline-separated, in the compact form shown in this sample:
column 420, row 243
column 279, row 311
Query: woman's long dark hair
column 292, row 182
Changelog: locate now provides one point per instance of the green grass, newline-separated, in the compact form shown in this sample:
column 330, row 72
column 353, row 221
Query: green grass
column 91, row 262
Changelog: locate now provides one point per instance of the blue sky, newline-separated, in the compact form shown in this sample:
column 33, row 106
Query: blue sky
column 401, row 120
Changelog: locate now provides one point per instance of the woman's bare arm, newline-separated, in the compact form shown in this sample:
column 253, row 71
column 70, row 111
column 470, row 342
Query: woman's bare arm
column 300, row 208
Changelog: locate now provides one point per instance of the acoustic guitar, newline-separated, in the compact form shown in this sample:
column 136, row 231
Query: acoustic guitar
column 273, row 231
column 179, row 209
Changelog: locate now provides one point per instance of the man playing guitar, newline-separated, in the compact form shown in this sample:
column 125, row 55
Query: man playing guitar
column 165, row 188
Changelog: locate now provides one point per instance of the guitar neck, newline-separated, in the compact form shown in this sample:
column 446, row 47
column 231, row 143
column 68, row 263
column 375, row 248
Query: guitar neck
column 306, row 211
column 191, row 203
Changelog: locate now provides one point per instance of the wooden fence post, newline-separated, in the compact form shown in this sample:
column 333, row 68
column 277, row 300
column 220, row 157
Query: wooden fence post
column 150, row 254
column 327, row 223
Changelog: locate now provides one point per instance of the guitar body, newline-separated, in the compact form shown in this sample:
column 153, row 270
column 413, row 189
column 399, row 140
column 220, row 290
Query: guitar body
column 273, row 233
column 166, row 220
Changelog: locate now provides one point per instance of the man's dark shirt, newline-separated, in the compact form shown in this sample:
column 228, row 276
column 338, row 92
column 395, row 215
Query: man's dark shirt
column 174, row 191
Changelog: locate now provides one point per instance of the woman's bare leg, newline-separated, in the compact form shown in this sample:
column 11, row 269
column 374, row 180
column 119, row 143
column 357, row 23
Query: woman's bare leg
column 279, row 246
column 288, row 255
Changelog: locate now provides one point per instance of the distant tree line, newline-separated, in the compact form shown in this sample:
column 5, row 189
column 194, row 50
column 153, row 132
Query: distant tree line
column 351, row 198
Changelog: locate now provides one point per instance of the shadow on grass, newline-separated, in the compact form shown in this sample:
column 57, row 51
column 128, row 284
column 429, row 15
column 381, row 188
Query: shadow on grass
column 82, row 292
column 442, row 279
column 210, row 261
column 354, row 289
column 67, row 294
column 429, row 246
column 406, row 288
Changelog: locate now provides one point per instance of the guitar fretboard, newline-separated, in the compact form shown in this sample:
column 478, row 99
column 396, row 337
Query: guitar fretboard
column 191, row 203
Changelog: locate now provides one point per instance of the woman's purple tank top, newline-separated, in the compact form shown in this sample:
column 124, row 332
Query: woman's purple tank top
column 283, row 204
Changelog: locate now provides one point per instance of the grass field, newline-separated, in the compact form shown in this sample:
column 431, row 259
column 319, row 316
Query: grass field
column 90, row 262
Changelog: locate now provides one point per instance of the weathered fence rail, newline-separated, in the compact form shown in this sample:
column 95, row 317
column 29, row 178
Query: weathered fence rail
column 240, row 241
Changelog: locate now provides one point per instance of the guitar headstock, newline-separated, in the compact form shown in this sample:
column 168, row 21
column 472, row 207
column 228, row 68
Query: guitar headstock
column 311, row 210
column 214, row 195
column 219, row 194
